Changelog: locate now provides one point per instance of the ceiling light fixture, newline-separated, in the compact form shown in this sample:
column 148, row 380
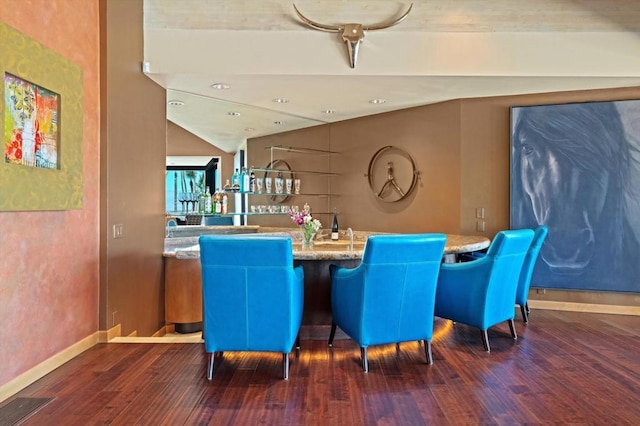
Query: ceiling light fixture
column 233, row 113
column 249, row 129
column 329, row 111
column 221, row 86
column 377, row 101
column 281, row 100
column 278, row 123
column 175, row 103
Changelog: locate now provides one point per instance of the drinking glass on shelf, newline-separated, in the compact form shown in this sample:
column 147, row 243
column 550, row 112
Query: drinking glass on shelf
column 259, row 183
column 296, row 184
column 193, row 199
column 288, row 182
column 182, row 198
column 279, row 187
column 267, row 185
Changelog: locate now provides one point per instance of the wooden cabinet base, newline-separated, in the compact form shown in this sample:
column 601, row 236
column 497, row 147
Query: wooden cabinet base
column 183, row 294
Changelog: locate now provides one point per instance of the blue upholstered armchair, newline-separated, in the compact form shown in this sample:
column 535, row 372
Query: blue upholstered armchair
column 252, row 295
column 389, row 297
column 522, row 294
column 481, row 292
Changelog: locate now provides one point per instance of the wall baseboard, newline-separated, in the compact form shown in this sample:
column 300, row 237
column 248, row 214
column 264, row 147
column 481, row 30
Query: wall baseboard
column 105, row 336
column 584, row 307
column 45, row 367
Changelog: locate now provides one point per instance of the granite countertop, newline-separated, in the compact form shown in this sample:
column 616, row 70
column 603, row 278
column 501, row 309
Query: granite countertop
column 323, row 248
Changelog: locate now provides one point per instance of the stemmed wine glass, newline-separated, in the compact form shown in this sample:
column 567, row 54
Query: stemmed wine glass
column 192, row 199
column 182, row 197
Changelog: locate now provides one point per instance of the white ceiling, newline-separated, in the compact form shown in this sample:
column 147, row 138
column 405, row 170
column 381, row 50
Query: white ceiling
column 443, row 50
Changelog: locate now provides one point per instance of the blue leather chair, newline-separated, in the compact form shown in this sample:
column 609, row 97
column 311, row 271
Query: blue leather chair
column 481, row 292
column 252, row 295
column 389, row 297
column 522, row 294
column 218, row 221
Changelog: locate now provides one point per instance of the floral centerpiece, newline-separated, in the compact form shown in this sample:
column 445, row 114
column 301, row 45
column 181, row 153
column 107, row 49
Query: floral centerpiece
column 307, row 224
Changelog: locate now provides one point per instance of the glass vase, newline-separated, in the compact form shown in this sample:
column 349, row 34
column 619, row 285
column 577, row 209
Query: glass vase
column 307, row 239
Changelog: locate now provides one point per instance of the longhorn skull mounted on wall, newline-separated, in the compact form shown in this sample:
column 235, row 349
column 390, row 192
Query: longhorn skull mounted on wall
column 352, row 34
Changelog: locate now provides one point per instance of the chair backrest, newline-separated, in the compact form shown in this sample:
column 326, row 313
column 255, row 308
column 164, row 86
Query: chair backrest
column 218, row 221
column 507, row 253
column 522, row 293
column 400, row 278
column 247, row 289
column 194, row 219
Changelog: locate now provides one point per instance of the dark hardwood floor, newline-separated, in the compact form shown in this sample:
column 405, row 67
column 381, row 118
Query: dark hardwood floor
column 564, row 368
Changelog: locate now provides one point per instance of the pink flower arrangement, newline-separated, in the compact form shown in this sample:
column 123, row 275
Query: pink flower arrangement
column 306, row 222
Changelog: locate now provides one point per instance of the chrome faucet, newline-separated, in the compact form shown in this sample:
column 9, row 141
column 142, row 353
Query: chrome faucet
column 350, row 234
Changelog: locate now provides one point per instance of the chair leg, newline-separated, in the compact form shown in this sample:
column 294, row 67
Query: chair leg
column 485, row 340
column 427, row 352
column 332, row 334
column 527, row 306
column 512, row 327
column 210, row 366
column 298, row 341
column 285, row 364
column 365, row 361
column 397, row 346
column 525, row 314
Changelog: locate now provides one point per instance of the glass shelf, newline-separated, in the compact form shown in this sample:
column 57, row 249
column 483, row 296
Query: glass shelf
column 291, row 172
column 300, row 150
column 275, row 194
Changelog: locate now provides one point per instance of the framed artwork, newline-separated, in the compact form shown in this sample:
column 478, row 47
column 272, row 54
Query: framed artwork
column 31, row 124
column 41, row 118
column 576, row 168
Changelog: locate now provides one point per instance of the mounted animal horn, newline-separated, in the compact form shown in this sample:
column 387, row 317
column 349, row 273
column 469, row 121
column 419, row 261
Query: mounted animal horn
column 352, row 34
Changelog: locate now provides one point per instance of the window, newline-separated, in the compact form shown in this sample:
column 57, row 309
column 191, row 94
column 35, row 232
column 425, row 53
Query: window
column 185, row 179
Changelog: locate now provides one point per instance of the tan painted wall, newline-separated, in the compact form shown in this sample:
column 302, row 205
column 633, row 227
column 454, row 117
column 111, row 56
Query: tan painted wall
column 462, row 151
column 182, row 142
column 49, row 259
column 425, row 133
column 132, row 171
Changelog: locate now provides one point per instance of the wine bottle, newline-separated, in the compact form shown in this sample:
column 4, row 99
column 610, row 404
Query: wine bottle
column 207, row 202
column 217, row 202
column 201, row 202
column 334, row 227
column 252, row 180
column 225, row 203
column 235, row 181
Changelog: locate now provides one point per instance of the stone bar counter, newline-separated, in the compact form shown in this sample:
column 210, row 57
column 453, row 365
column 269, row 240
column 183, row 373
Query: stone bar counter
column 183, row 286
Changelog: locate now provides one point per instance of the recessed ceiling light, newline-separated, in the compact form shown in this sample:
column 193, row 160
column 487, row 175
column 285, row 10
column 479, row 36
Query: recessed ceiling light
column 278, row 123
column 233, row 113
column 377, row 101
column 281, row 100
column 175, row 103
column 329, row 111
column 249, row 129
column 221, row 86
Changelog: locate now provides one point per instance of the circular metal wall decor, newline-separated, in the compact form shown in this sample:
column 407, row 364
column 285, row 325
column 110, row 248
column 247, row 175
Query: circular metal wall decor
column 275, row 166
column 400, row 182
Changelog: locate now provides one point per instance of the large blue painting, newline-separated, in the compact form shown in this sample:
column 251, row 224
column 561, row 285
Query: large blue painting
column 576, row 169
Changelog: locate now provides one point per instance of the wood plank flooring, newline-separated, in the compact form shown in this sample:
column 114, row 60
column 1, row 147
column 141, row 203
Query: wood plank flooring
column 566, row 367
